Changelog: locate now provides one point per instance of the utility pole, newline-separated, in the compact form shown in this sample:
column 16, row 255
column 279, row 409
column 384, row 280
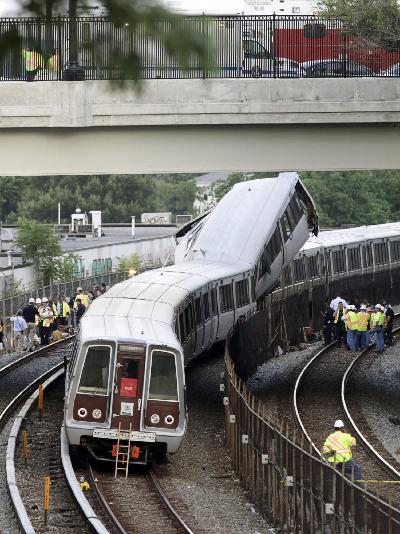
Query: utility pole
column 73, row 72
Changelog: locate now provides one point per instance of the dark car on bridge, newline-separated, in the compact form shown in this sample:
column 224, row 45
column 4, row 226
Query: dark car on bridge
column 331, row 68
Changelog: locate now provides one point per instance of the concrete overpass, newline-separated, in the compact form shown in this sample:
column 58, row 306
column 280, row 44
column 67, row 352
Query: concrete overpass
column 199, row 126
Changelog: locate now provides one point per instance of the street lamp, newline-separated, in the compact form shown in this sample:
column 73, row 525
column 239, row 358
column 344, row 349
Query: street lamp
column 73, row 72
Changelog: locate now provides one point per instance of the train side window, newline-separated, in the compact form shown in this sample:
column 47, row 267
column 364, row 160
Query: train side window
column 368, row 255
column 226, row 298
column 163, row 376
column 285, row 227
column 270, row 253
column 214, row 301
column 242, row 293
column 75, row 351
column 313, row 266
column 94, row 377
column 395, row 250
column 299, row 270
column 182, row 327
column 294, row 213
column 339, row 261
column 197, row 311
column 353, row 255
column 188, row 320
column 206, row 307
column 253, row 288
column 381, row 253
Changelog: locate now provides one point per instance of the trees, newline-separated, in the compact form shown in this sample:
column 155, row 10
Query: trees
column 376, row 23
column 39, row 244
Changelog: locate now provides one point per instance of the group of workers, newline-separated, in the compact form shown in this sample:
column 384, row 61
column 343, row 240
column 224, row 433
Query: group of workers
column 43, row 319
column 354, row 325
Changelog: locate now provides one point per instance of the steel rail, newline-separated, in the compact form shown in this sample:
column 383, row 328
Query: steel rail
column 168, row 504
column 296, row 389
column 111, row 516
column 30, row 387
column 385, row 464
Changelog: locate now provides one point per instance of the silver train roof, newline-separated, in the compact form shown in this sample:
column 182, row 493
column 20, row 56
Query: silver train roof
column 331, row 238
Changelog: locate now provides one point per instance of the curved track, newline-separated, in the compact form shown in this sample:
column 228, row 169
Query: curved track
column 17, row 381
column 320, row 396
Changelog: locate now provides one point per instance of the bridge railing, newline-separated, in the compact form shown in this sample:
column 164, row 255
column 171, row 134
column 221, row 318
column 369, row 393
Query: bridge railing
column 238, row 46
column 290, row 486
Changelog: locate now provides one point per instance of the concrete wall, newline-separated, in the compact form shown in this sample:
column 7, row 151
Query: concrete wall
column 199, row 126
column 158, row 250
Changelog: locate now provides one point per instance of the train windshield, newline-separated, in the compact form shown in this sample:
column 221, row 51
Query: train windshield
column 163, row 376
column 94, row 377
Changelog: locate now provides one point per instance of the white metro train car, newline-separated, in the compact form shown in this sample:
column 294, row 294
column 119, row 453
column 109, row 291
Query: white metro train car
column 126, row 373
column 339, row 253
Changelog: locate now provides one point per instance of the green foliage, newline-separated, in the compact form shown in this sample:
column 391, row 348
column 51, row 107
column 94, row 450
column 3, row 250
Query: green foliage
column 40, row 245
column 129, row 263
column 118, row 197
column 357, row 197
column 374, row 22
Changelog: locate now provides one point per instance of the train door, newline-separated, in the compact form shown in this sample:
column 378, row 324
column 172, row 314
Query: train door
column 128, row 386
column 214, row 315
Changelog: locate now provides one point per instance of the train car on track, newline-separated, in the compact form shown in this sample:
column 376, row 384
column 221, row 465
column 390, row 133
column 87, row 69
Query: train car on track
column 126, row 374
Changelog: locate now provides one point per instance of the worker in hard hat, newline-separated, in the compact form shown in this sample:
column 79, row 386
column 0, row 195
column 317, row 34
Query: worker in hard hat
column 377, row 324
column 337, row 451
column 82, row 296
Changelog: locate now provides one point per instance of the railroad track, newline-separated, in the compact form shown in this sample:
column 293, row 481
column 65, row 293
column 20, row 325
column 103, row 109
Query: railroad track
column 321, row 395
column 17, row 381
column 134, row 505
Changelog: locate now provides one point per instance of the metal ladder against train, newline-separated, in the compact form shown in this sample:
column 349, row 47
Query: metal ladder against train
column 123, row 451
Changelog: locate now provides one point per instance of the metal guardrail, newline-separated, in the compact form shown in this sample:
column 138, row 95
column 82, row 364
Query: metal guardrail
column 291, row 487
column 238, row 46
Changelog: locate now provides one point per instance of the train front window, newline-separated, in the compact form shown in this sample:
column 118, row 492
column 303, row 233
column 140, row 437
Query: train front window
column 163, row 376
column 95, row 372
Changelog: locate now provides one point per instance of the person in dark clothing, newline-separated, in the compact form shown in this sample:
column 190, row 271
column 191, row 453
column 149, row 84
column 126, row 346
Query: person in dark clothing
column 2, row 345
column 389, row 316
column 327, row 329
column 79, row 311
column 29, row 313
column 340, row 327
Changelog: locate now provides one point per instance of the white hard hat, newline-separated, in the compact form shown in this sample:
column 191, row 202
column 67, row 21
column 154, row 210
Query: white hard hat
column 378, row 306
column 363, row 308
column 38, row 301
column 338, row 423
column 351, row 307
column 79, row 289
column 31, row 301
column 44, row 299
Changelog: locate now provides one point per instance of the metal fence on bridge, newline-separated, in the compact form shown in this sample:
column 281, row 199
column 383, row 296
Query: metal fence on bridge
column 238, row 46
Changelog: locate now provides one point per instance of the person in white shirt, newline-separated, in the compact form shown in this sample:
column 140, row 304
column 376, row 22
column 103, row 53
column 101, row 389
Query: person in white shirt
column 19, row 329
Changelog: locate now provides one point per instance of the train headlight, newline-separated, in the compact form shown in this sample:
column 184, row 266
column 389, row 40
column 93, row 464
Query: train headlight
column 155, row 418
column 169, row 420
column 97, row 413
column 82, row 412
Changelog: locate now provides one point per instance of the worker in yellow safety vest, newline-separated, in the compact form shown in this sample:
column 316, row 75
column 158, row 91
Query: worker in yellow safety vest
column 362, row 327
column 337, row 451
column 339, row 323
column 33, row 62
column 82, row 297
column 351, row 326
column 63, row 311
column 377, row 323
column 47, row 317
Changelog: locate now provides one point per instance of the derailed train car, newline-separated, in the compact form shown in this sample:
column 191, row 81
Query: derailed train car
column 126, row 374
